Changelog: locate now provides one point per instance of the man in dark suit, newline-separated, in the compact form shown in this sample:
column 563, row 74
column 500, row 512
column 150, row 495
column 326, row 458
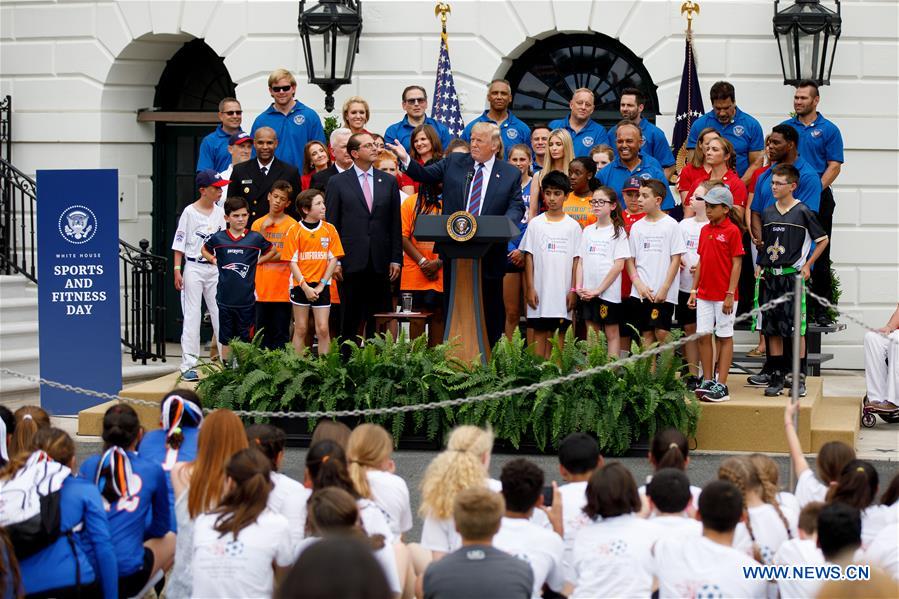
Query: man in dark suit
column 342, row 159
column 485, row 186
column 363, row 204
column 253, row 179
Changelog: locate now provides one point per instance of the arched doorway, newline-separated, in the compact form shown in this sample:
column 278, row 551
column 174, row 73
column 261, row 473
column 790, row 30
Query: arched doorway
column 185, row 110
column 545, row 76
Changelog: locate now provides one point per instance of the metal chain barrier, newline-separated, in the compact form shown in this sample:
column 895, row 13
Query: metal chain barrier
column 828, row 304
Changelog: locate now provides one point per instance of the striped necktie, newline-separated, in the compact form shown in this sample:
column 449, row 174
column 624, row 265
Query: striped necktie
column 474, row 198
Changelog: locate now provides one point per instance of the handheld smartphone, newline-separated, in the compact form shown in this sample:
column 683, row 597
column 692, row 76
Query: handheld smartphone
column 547, row 496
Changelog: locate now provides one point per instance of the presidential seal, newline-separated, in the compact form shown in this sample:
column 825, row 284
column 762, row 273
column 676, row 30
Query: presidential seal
column 461, row 226
column 77, row 224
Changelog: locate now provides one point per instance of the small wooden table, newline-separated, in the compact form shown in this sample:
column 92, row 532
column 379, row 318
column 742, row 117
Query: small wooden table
column 383, row 320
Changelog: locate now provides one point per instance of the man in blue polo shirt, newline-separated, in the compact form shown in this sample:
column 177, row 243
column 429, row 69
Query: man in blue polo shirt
column 415, row 103
column 741, row 129
column 214, row 152
column 821, row 145
column 632, row 163
column 585, row 132
column 294, row 123
column 511, row 128
column 655, row 143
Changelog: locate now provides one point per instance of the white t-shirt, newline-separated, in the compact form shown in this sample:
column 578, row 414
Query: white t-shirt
column 540, row 548
column 288, row 498
column 809, row 489
column 553, row 245
column 225, row 174
column 611, row 558
column 194, row 228
column 768, row 528
column 599, row 250
column 689, row 228
column 574, row 498
column 789, row 505
column 875, row 518
column 391, row 494
column 798, row 552
column 374, row 520
column 652, row 246
column 439, row 534
column 695, row 492
column 680, row 526
column 227, row 567
column 884, row 550
column 699, row 567
column 385, row 557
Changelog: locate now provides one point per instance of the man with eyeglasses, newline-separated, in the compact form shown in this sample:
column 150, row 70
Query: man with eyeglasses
column 214, row 152
column 294, row 123
column 415, row 103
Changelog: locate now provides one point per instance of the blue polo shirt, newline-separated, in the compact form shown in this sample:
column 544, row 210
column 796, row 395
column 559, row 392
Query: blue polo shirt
column 808, row 191
column 214, row 151
column 403, row 132
column 615, row 175
column 819, row 142
column 592, row 134
column 654, row 143
column 294, row 130
column 744, row 132
column 513, row 131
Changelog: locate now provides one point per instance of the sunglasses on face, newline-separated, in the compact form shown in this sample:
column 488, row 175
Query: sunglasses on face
column 233, row 112
column 415, row 100
column 282, row 88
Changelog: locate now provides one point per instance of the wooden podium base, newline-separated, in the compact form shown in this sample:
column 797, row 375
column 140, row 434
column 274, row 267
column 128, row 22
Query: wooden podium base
column 465, row 326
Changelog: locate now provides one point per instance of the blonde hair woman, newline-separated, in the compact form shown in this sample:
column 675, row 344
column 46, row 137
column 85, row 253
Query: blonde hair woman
column 356, row 114
column 559, row 154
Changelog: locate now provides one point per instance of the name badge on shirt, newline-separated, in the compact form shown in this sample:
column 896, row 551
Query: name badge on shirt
column 246, row 182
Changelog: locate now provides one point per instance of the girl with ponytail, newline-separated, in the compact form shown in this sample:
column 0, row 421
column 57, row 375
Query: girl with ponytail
column 135, row 496
column 29, row 420
column 176, row 440
column 669, row 449
column 769, row 474
column 765, row 526
column 857, row 486
column 241, row 545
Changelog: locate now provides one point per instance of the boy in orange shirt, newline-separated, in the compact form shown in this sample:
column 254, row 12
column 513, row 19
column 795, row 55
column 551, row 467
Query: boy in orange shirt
column 272, row 278
column 312, row 248
column 422, row 273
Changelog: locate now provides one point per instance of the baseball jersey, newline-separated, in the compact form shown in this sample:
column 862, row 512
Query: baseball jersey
column 236, row 258
column 272, row 277
column 194, row 228
column 787, row 238
column 311, row 249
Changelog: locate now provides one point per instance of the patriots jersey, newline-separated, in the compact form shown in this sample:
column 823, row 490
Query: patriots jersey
column 237, row 258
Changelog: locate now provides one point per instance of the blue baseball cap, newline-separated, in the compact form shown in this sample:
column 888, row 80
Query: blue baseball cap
column 631, row 184
column 210, row 178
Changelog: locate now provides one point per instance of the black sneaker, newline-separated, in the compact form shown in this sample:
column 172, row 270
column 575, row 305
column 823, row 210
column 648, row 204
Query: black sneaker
column 717, row 393
column 692, row 382
column 776, row 386
column 762, row 379
column 788, row 380
column 802, row 390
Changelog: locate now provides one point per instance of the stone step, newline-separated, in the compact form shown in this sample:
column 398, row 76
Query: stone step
column 18, row 335
column 836, row 419
column 18, row 309
column 16, row 286
column 25, row 360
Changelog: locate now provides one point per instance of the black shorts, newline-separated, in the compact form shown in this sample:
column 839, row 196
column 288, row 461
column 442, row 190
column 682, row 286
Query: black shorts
column 600, row 311
column 778, row 321
column 549, row 324
column 88, row 589
column 131, row 585
column 629, row 316
column 298, row 298
column 235, row 322
column 655, row 316
column 426, row 300
column 685, row 314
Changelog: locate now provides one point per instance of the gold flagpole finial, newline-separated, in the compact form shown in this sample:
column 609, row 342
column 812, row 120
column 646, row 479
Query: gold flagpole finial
column 442, row 10
column 690, row 9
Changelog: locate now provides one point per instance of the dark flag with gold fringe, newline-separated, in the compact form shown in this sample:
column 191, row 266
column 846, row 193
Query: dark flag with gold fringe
column 689, row 105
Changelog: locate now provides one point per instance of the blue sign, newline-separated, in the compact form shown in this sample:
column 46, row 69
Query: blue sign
column 78, row 291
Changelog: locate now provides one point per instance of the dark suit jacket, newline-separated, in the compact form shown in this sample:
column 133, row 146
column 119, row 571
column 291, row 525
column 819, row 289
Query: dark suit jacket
column 247, row 181
column 503, row 196
column 320, row 179
column 363, row 234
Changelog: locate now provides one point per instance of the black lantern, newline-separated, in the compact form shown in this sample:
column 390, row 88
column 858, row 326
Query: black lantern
column 330, row 32
column 807, row 35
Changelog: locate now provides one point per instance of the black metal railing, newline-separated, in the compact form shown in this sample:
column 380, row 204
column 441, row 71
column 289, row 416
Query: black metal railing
column 6, row 128
column 143, row 277
column 18, row 250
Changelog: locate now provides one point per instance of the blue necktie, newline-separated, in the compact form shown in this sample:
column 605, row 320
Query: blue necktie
column 474, row 198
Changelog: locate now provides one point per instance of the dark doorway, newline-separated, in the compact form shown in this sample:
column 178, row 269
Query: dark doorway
column 191, row 86
column 544, row 78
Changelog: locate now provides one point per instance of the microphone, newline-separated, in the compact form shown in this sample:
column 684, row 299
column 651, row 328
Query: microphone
column 467, row 188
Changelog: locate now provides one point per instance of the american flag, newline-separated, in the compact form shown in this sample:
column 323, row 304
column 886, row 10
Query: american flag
column 446, row 108
column 689, row 105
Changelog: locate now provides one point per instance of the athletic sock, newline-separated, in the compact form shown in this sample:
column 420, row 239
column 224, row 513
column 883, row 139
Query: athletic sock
column 803, row 365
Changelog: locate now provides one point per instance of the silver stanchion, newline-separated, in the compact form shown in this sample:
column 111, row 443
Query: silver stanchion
column 797, row 351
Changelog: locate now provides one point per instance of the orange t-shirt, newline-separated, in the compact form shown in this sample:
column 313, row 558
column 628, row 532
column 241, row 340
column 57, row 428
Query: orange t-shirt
column 578, row 208
column 312, row 249
column 412, row 279
column 271, row 277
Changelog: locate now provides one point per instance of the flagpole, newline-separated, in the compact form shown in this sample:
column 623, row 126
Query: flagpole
column 689, row 9
column 442, row 10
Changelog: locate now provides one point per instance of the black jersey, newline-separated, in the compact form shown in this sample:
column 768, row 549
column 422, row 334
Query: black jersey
column 787, row 238
column 236, row 258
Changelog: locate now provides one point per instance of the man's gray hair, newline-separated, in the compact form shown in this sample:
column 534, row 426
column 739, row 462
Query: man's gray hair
column 338, row 133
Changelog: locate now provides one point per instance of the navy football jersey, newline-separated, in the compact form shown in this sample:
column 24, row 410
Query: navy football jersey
column 236, row 258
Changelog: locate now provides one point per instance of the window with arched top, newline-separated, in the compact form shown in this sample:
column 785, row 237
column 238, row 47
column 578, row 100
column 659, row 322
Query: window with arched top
column 194, row 79
column 544, row 78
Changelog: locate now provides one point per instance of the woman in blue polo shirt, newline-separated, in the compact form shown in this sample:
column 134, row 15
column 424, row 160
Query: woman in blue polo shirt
column 136, row 500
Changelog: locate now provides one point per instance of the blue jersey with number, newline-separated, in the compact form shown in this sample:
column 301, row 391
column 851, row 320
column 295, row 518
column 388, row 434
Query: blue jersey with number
column 153, row 448
column 144, row 515
column 236, row 258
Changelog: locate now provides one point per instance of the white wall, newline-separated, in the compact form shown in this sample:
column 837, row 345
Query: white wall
column 79, row 71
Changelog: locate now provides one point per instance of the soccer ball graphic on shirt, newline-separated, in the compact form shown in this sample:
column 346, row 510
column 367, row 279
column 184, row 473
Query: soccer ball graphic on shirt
column 234, row 548
column 709, row 591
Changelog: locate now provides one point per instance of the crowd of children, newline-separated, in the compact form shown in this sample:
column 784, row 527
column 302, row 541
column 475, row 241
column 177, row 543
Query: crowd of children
column 198, row 508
